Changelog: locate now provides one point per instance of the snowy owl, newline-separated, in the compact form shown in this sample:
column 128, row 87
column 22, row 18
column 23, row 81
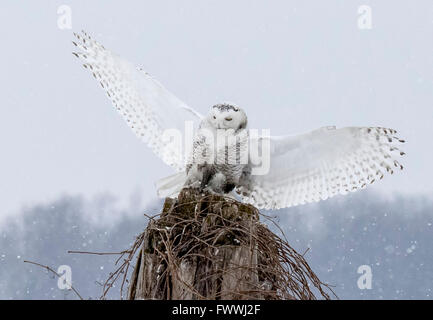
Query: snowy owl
column 302, row 168
column 218, row 166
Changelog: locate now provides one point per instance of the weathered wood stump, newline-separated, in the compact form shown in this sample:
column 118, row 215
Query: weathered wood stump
column 206, row 246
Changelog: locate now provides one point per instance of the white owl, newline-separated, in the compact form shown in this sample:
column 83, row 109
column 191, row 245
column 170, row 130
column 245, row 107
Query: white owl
column 303, row 168
column 221, row 143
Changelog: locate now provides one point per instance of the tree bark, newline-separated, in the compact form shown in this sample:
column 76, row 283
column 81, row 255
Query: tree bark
column 206, row 246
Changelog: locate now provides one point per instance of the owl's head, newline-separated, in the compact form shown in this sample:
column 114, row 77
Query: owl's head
column 227, row 116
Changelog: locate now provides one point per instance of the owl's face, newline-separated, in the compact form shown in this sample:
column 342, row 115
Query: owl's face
column 227, row 116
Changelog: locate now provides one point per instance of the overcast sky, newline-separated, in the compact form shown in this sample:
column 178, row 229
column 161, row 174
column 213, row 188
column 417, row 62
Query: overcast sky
column 292, row 65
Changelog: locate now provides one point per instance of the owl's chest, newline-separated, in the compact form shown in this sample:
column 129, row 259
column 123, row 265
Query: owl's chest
column 222, row 148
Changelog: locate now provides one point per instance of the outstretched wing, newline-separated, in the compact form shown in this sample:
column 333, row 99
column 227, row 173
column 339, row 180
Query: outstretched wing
column 146, row 106
column 323, row 163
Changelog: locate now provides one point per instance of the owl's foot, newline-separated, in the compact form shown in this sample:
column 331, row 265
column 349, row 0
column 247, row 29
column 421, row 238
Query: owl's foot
column 232, row 195
column 207, row 189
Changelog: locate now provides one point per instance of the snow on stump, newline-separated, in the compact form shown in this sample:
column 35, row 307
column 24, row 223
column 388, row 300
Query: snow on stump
column 206, row 246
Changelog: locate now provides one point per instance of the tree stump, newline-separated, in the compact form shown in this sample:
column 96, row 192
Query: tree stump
column 206, row 246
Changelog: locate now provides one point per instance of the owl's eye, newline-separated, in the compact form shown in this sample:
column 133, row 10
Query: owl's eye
column 214, row 117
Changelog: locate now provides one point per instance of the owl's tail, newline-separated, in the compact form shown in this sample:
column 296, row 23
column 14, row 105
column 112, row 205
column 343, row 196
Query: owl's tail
column 171, row 185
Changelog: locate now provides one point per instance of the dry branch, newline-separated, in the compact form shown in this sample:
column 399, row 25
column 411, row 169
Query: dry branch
column 206, row 246
column 49, row 269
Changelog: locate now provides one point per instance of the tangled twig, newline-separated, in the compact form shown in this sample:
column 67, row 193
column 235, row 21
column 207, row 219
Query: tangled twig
column 56, row 274
column 196, row 228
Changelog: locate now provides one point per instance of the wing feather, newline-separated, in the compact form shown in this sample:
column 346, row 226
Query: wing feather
column 321, row 164
column 146, row 106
